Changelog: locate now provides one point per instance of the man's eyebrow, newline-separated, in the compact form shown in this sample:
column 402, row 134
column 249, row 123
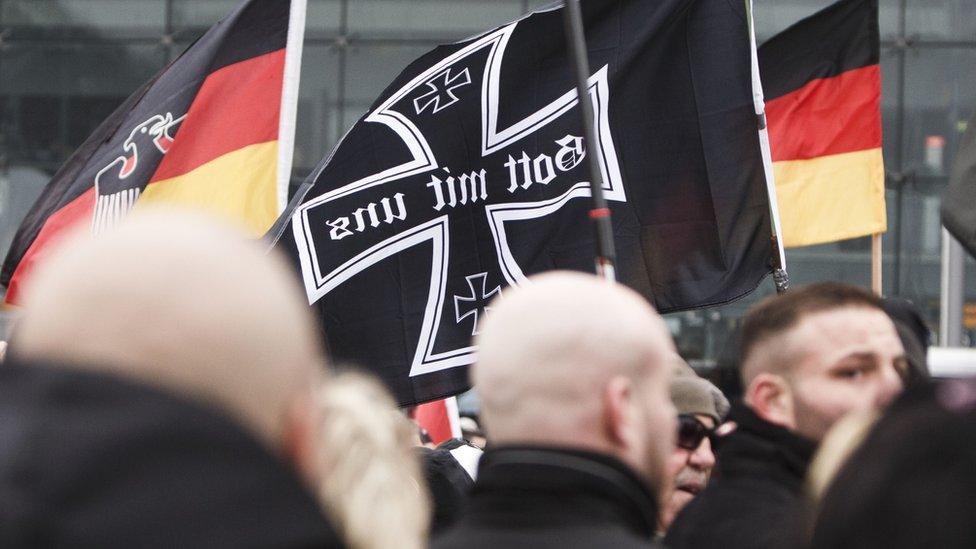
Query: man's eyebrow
column 858, row 355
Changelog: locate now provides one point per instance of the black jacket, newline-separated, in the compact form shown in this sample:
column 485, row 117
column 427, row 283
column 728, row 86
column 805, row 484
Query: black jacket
column 448, row 484
column 547, row 497
column 755, row 499
column 90, row 460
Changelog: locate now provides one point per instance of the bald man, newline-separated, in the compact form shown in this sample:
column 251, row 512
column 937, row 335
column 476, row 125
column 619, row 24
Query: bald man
column 573, row 377
column 156, row 394
column 808, row 358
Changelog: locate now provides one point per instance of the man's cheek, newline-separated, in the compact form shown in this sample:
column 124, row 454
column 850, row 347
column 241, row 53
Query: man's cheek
column 676, row 461
column 843, row 397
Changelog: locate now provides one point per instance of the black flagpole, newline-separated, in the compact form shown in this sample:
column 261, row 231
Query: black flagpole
column 599, row 213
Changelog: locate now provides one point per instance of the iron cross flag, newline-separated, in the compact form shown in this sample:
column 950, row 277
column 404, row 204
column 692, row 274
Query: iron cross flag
column 468, row 175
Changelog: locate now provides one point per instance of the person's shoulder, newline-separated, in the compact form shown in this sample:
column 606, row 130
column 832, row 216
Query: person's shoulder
column 466, row 536
column 726, row 508
column 732, row 514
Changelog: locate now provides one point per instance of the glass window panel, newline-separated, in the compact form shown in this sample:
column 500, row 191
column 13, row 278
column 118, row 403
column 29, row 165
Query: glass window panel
column 939, row 101
column 429, row 19
column 917, row 265
column 941, row 19
column 773, row 16
column 530, row 5
column 371, row 68
column 889, row 18
column 890, row 78
column 85, row 17
column 198, row 15
column 56, row 95
column 20, row 185
column 318, row 105
column 91, row 70
column 969, row 305
column 322, row 16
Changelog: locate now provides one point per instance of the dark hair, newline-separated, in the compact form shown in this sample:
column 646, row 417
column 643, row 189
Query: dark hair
column 912, row 482
column 914, row 334
column 777, row 314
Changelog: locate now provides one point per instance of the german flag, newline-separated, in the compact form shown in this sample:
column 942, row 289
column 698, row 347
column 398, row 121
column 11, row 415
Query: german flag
column 210, row 131
column 823, row 86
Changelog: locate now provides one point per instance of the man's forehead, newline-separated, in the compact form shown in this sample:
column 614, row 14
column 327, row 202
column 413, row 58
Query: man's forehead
column 831, row 331
column 842, row 320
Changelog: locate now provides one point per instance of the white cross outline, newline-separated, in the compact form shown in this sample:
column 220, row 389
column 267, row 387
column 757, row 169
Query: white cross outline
column 317, row 284
column 449, row 87
column 474, row 297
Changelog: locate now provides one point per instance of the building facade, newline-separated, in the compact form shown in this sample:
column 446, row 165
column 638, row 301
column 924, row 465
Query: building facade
column 66, row 64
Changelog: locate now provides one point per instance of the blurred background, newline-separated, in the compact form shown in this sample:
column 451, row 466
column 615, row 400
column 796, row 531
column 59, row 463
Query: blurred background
column 66, row 64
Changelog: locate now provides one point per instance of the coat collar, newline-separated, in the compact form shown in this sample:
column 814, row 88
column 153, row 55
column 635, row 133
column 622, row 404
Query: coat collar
column 585, row 485
column 758, row 447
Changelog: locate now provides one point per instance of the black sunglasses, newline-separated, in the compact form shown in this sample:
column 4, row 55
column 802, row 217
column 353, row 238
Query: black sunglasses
column 691, row 432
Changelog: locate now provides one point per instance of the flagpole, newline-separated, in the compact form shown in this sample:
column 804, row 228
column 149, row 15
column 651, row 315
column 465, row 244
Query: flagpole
column 780, row 277
column 289, row 98
column 599, row 212
column 876, row 263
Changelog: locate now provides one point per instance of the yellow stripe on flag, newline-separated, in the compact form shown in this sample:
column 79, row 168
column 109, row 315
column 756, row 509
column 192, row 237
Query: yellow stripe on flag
column 239, row 186
column 831, row 198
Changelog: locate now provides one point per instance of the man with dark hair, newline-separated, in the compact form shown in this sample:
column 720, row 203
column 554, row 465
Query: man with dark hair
column 807, row 358
column 914, row 334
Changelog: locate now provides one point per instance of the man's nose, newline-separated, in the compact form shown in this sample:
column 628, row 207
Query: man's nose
column 703, row 457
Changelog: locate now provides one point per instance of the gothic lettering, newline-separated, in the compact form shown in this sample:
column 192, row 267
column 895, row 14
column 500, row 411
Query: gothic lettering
column 571, row 153
column 469, row 188
column 368, row 216
column 542, row 169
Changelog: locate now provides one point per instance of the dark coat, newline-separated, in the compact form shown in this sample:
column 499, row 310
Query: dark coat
column 755, row 499
column 559, row 498
column 448, row 484
column 90, row 460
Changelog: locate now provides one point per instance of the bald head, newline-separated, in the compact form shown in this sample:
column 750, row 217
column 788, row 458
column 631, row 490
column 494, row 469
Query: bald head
column 550, row 350
column 179, row 302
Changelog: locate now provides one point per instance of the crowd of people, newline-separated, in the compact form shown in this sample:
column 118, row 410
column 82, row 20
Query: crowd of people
column 166, row 386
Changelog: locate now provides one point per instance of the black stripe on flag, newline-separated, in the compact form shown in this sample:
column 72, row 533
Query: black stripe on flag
column 838, row 38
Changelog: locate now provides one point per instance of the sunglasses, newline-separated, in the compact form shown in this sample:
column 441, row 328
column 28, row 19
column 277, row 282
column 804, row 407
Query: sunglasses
column 691, row 432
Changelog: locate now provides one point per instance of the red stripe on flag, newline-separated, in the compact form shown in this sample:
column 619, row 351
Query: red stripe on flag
column 57, row 226
column 827, row 116
column 236, row 106
column 433, row 416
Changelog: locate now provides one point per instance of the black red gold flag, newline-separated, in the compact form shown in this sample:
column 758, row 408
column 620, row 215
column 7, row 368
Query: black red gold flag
column 822, row 82
column 210, row 131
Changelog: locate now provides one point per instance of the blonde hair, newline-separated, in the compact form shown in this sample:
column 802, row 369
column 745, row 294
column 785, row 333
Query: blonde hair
column 370, row 480
column 841, row 441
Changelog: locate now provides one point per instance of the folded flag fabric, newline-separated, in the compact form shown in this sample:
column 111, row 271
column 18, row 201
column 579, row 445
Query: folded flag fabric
column 959, row 200
column 822, row 82
column 209, row 131
column 467, row 175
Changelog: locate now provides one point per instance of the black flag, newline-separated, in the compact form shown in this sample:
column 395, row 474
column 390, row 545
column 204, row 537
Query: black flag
column 959, row 202
column 467, row 175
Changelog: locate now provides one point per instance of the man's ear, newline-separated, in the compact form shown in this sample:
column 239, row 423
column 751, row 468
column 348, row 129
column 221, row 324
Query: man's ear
column 299, row 438
column 618, row 412
column 771, row 397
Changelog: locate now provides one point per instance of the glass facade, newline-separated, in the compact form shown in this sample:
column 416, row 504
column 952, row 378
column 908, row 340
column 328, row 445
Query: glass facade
column 66, row 64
